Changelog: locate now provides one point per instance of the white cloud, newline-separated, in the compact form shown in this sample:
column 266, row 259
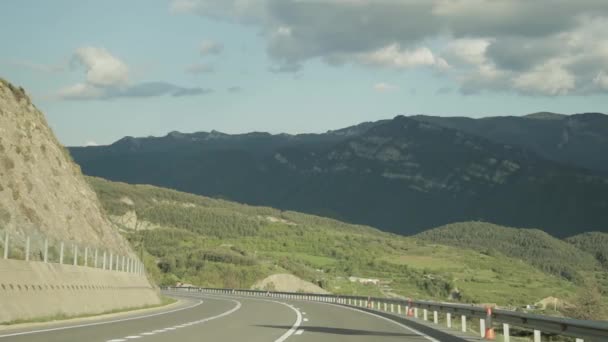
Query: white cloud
column 107, row 77
column 210, row 48
column 383, row 87
column 80, row 91
column 468, row 51
column 548, row 79
column 393, row 56
column 103, row 69
column 493, row 45
column 601, row 80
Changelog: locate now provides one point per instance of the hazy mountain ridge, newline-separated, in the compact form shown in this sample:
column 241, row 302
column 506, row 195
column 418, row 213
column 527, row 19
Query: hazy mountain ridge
column 403, row 175
column 579, row 140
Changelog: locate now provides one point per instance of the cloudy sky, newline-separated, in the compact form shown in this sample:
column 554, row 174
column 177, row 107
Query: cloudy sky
column 101, row 70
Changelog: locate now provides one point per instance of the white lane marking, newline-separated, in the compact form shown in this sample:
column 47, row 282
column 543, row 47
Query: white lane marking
column 283, row 337
column 305, row 319
column 235, row 308
column 299, row 332
column 349, row 308
column 295, row 325
column 389, row 320
column 117, row 340
column 100, row 323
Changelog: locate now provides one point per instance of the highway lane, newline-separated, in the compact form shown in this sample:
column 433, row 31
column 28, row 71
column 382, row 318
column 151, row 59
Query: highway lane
column 232, row 318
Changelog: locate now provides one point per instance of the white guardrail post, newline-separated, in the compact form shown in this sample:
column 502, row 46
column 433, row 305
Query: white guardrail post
column 6, row 245
column 46, row 250
column 61, row 253
column 27, row 249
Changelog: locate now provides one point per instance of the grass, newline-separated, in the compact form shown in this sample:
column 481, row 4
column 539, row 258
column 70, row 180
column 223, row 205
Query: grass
column 62, row 316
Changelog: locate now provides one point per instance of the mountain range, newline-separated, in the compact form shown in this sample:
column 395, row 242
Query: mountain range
column 403, row 175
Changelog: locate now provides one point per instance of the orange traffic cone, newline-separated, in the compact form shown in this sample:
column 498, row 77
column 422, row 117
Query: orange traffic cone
column 490, row 335
column 410, row 311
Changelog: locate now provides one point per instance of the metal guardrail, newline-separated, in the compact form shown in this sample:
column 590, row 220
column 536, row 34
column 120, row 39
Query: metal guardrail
column 42, row 249
column 581, row 330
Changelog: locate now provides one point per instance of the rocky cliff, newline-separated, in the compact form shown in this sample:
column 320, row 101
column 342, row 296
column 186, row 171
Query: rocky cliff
column 41, row 190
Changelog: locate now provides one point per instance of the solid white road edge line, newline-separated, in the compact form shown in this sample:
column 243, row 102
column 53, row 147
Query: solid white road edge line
column 100, row 323
column 295, row 325
column 389, row 320
column 290, row 332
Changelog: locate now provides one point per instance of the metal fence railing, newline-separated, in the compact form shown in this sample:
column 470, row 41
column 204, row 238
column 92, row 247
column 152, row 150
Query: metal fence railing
column 579, row 330
column 39, row 248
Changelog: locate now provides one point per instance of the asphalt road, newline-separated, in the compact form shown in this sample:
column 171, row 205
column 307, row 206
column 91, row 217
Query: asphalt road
column 202, row 317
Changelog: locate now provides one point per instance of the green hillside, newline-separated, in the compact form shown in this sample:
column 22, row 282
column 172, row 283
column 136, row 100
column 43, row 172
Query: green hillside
column 594, row 243
column 533, row 246
column 212, row 242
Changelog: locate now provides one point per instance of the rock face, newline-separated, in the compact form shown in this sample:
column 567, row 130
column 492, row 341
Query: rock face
column 42, row 192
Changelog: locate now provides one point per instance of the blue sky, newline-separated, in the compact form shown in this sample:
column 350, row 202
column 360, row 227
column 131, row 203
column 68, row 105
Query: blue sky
column 101, row 70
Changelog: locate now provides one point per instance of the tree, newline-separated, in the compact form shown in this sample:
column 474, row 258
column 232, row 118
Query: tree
column 587, row 303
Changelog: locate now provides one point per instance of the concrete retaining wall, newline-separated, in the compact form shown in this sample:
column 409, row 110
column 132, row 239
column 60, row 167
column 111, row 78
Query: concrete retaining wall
column 36, row 289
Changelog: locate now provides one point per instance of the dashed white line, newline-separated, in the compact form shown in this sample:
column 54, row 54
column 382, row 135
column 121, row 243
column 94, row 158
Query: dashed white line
column 299, row 332
column 132, row 337
column 305, row 319
column 101, row 323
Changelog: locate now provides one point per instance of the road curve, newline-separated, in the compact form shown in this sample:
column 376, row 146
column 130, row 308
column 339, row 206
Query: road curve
column 232, row 318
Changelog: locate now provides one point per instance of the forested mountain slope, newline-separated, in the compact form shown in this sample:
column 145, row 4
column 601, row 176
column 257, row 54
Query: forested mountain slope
column 401, row 175
column 211, row 242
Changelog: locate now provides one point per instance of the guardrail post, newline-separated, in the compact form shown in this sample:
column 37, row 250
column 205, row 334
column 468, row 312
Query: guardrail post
column 392, row 308
column 6, row 245
column 75, row 255
column 448, row 318
column 579, row 340
column 399, row 309
column 415, row 312
column 435, row 317
column 385, row 307
column 463, row 323
column 110, row 263
column 537, row 336
column 61, row 253
column 86, row 256
column 506, row 333
column 482, row 327
column 426, row 314
column 46, row 250
column 27, row 249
